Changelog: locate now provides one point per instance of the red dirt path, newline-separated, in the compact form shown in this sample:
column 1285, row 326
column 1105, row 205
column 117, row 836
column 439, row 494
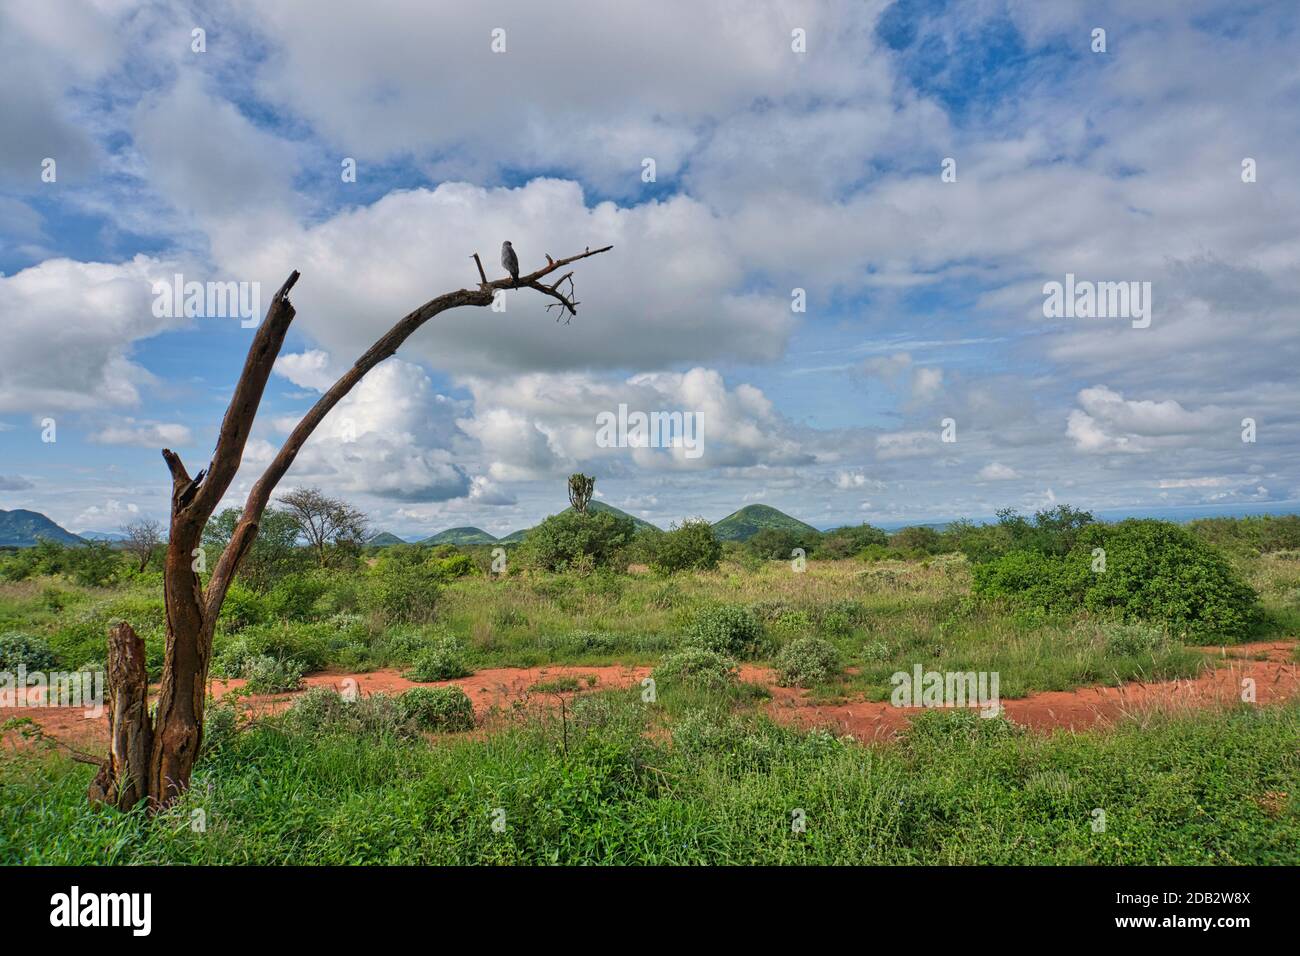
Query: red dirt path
column 1276, row 676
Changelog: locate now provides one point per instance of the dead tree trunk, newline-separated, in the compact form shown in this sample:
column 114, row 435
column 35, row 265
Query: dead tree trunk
column 120, row 780
column 154, row 759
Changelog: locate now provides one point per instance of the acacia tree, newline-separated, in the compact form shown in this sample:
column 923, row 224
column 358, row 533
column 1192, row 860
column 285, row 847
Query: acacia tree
column 142, row 539
column 152, row 758
column 323, row 520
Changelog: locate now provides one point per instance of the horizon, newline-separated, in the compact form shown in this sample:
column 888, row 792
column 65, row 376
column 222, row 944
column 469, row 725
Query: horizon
column 805, row 301
column 1178, row 514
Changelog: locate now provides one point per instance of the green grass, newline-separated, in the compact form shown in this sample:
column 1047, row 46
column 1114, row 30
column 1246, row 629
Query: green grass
column 698, row 776
column 1212, row 788
column 883, row 617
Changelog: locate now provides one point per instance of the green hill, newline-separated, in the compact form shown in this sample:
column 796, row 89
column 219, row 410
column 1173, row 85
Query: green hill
column 461, row 536
column 23, row 529
column 384, row 539
column 751, row 519
column 514, row 537
column 639, row 522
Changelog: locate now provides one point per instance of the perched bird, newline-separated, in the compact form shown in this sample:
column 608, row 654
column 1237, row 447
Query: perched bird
column 510, row 260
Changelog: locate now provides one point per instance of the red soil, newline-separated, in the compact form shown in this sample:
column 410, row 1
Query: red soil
column 1276, row 676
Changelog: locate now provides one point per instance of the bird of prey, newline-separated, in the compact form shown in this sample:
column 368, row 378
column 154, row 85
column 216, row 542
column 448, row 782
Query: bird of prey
column 510, row 260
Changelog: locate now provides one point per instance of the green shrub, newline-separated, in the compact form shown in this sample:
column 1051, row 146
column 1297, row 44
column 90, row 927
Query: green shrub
column 312, row 645
column 778, row 544
column 402, row 593
column 96, row 564
column 1153, row 571
column 270, row 675
column 322, row 711
column 1034, row 579
column 794, row 622
column 442, row 660
column 846, row 542
column 243, row 607
column 571, row 541
column 1131, row 640
column 728, row 629
column 1160, row 572
column 697, row 667
column 454, row 566
column 442, row 709
column 918, row 540
column 690, row 547
column 806, row 661
column 294, row 596
column 220, row 725
column 24, row 650
column 503, row 617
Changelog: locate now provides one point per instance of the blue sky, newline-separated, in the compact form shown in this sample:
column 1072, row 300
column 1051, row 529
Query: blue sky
column 776, row 170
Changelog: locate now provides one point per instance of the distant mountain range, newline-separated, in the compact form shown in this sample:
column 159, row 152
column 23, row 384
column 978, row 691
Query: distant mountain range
column 23, row 529
column 740, row 526
column 111, row 536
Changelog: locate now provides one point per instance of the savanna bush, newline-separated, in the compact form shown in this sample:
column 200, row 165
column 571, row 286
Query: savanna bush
column 322, row 711
column 1130, row 640
column 25, row 650
column 692, row 546
column 697, row 667
column 806, row 661
column 728, row 629
column 403, row 593
column 778, row 544
column 571, row 541
column 442, row 709
column 1154, row 571
column 294, row 596
column 312, row 645
column 242, row 607
column 264, row 674
column 444, row 659
column 846, row 542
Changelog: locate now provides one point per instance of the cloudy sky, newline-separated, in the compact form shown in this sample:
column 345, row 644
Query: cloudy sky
column 854, row 210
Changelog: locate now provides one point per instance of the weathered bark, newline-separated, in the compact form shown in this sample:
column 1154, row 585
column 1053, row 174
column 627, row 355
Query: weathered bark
column 123, row 779
column 174, row 739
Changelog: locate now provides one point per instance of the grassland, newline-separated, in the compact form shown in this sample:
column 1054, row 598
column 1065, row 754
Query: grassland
column 698, row 775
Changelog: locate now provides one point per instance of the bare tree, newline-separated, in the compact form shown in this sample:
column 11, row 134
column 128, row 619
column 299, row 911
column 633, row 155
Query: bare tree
column 323, row 520
column 142, row 540
column 172, row 738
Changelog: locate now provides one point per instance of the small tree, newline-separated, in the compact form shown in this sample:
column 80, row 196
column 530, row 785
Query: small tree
column 142, row 540
column 690, row 547
column 324, row 521
column 274, row 552
column 580, row 490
